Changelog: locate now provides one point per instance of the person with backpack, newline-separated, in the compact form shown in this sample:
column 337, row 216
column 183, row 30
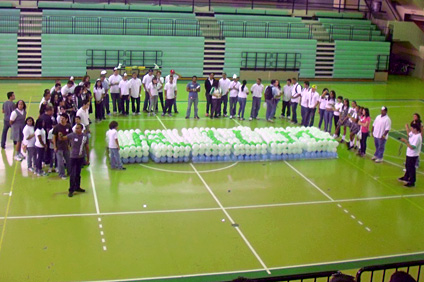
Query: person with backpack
column 270, row 92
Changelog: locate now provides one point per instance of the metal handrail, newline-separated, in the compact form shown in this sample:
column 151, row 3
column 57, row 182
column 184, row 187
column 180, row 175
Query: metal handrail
column 385, row 267
column 270, row 61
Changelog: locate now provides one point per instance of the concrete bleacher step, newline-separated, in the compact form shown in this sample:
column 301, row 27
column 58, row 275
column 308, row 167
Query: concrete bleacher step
column 324, row 63
column 214, row 54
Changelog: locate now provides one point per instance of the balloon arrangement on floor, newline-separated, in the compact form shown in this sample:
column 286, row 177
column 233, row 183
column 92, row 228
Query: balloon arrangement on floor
column 226, row 144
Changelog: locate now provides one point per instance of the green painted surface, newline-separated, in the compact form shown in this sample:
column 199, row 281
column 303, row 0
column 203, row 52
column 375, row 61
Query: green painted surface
column 293, row 227
column 8, row 55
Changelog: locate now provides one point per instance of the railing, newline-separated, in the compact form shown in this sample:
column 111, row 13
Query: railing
column 9, row 24
column 270, row 61
column 350, row 31
column 382, row 270
column 263, row 29
column 120, row 26
column 309, row 277
column 30, row 25
column 382, row 63
column 112, row 58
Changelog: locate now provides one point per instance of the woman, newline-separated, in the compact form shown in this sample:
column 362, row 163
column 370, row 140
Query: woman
column 322, row 106
column 364, row 122
column 242, row 98
column 416, row 120
column 40, row 146
column 99, row 94
column 353, row 124
column 160, row 85
column 414, row 144
column 17, row 122
column 343, row 119
column 29, row 142
column 329, row 111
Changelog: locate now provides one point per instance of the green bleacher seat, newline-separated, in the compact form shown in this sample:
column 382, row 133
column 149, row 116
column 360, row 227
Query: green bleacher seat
column 81, row 6
column 8, row 54
column 138, row 7
column 4, row 4
column 344, row 15
column 54, row 5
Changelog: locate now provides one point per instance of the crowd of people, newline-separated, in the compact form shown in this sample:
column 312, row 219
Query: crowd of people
column 65, row 110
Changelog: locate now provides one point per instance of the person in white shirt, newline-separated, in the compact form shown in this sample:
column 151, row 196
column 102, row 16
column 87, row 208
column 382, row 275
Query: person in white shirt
column 68, row 89
column 99, row 94
column 304, row 103
column 413, row 151
column 209, row 84
column 337, row 109
column 329, row 111
column 114, row 81
column 242, row 98
column 234, row 90
column 170, row 94
column 105, row 84
column 124, row 92
column 322, row 105
column 380, row 131
column 175, row 76
column 224, row 85
column 135, row 90
column 55, row 84
column 29, row 143
column 113, row 145
column 287, row 94
column 40, row 146
column 276, row 100
column 312, row 106
column 78, row 121
column 257, row 90
column 83, row 114
column 147, row 79
column 153, row 90
column 295, row 99
column 161, row 85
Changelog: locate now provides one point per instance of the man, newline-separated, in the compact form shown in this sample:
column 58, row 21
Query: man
column 105, row 85
column 54, row 87
column 215, row 94
column 270, row 92
column 276, row 100
column 305, row 97
column 296, row 93
column 312, row 106
column 79, row 145
column 170, row 94
column 380, row 132
column 84, row 116
column 7, row 109
column 124, row 95
column 68, row 89
column 224, row 85
column 287, row 95
column 56, row 92
column 160, row 85
column 193, row 89
column 234, row 90
column 209, row 83
column 114, row 81
column 45, row 101
column 49, row 122
column 61, row 147
column 135, row 90
column 175, row 76
column 257, row 89
column 147, row 79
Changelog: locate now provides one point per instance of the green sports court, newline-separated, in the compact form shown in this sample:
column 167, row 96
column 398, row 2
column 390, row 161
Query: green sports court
column 210, row 221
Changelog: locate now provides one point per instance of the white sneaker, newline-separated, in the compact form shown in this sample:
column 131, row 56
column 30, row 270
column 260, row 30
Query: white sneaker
column 257, row 118
column 288, row 117
column 373, row 158
column 50, row 170
column 18, row 158
column 250, row 119
column 63, row 178
column 134, row 114
column 379, row 160
column 30, row 169
column 22, row 156
column 231, row 117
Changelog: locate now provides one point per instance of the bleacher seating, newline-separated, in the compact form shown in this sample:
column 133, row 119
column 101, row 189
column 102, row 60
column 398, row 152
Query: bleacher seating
column 343, row 15
column 9, row 20
column 235, row 46
column 355, row 59
column 229, row 10
column 8, row 54
column 352, row 29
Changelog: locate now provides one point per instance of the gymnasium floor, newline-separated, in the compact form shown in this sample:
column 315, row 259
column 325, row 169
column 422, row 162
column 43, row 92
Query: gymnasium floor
column 213, row 221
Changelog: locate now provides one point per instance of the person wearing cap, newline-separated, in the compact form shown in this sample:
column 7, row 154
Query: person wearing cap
column 105, row 84
column 380, row 131
column 170, row 94
column 61, row 147
column 193, row 89
column 295, row 99
column 160, row 85
column 304, row 102
column 224, row 85
column 124, row 92
column 234, row 90
column 147, row 79
column 135, row 90
column 114, row 81
column 175, row 76
column 257, row 90
column 68, row 89
column 312, row 106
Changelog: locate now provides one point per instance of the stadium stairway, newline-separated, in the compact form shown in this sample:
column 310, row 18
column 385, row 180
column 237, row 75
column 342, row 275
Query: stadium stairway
column 324, row 65
column 318, row 30
column 29, row 43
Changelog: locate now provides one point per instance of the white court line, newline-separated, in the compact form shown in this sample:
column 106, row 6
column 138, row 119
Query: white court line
column 96, row 202
column 143, row 119
column 234, row 119
column 161, row 122
column 188, row 172
column 272, row 268
column 310, row 182
column 231, row 220
column 395, row 164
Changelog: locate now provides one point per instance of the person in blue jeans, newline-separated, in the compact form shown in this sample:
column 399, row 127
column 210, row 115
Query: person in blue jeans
column 380, row 131
column 193, row 89
column 270, row 101
column 242, row 98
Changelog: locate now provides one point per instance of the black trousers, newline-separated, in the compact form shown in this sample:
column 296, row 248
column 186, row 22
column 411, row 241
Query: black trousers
column 160, row 94
column 168, row 106
column 208, row 102
column 135, row 104
column 106, row 103
column 125, row 104
column 216, row 107
column 146, row 101
column 411, row 170
column 364, row 138
column 75, row 175
column 100, row 110
column 336, row 121
column 286, row 105
column 224, row 104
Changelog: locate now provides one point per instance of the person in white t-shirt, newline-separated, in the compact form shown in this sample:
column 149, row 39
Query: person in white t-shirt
column 29, row 143
column 413, row 151
column 323, row 105
column 153, row 90
column 380, row 131
column 287, row 95
column 124, row 91
column 113, row 145
column 175, row 76
column 224, row 85
column 55, row 84
column 295, row 99
column 40, row 146
column 84, row 116
column 329, row 111
column 304, row 102
column 114, row 81
column 257, row 90
column 312, row 106
column 135, row 90
column 234, row 90
column 99, row 95
column 170, row 94
column 161, row 85
column 68, row 89
column 242, row 98
column 147, row 79
column 338, row 106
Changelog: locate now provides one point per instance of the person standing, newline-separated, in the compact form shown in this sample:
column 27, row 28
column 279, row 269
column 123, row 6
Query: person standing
column 224, row 85
column 413, row 151
column 124, row 95
column 29, row 143
column 153, row 90
column 57, row 81
column 296, row 93
column 287, row 94
column 323, row 99
column 215, row 94
column 147, row 79
column 84, row 116
column 329, row 112
column 48, row 121
column 46, row 101
column 270, row 92
column 161, row 84
column 113, row 145
column 312, row 106
column 135, row 90
column 114, row 81
column 79, row 144
column 175, row 76
column 276, row 100
column 170, row 94
column 17, row 122
column 364, row 122
column 242, row 98
column 7, row 109
column 304, row 102
column 209, row 83
column 61, row 147
column 257, row 89
column 337, row 108
column 105, row 85
column 40, row 146
column 68, row 89
column 99, row 94
column 56, row 92
column 380, row 131
column 193, row 89
column 234, row 90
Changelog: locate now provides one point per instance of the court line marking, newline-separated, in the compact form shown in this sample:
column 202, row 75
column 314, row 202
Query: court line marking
column 231, row 220
column 96, row 202
column 189, row 172
column 161, row 122
column 272, row 268
column 395, row 164
column 234, row 119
